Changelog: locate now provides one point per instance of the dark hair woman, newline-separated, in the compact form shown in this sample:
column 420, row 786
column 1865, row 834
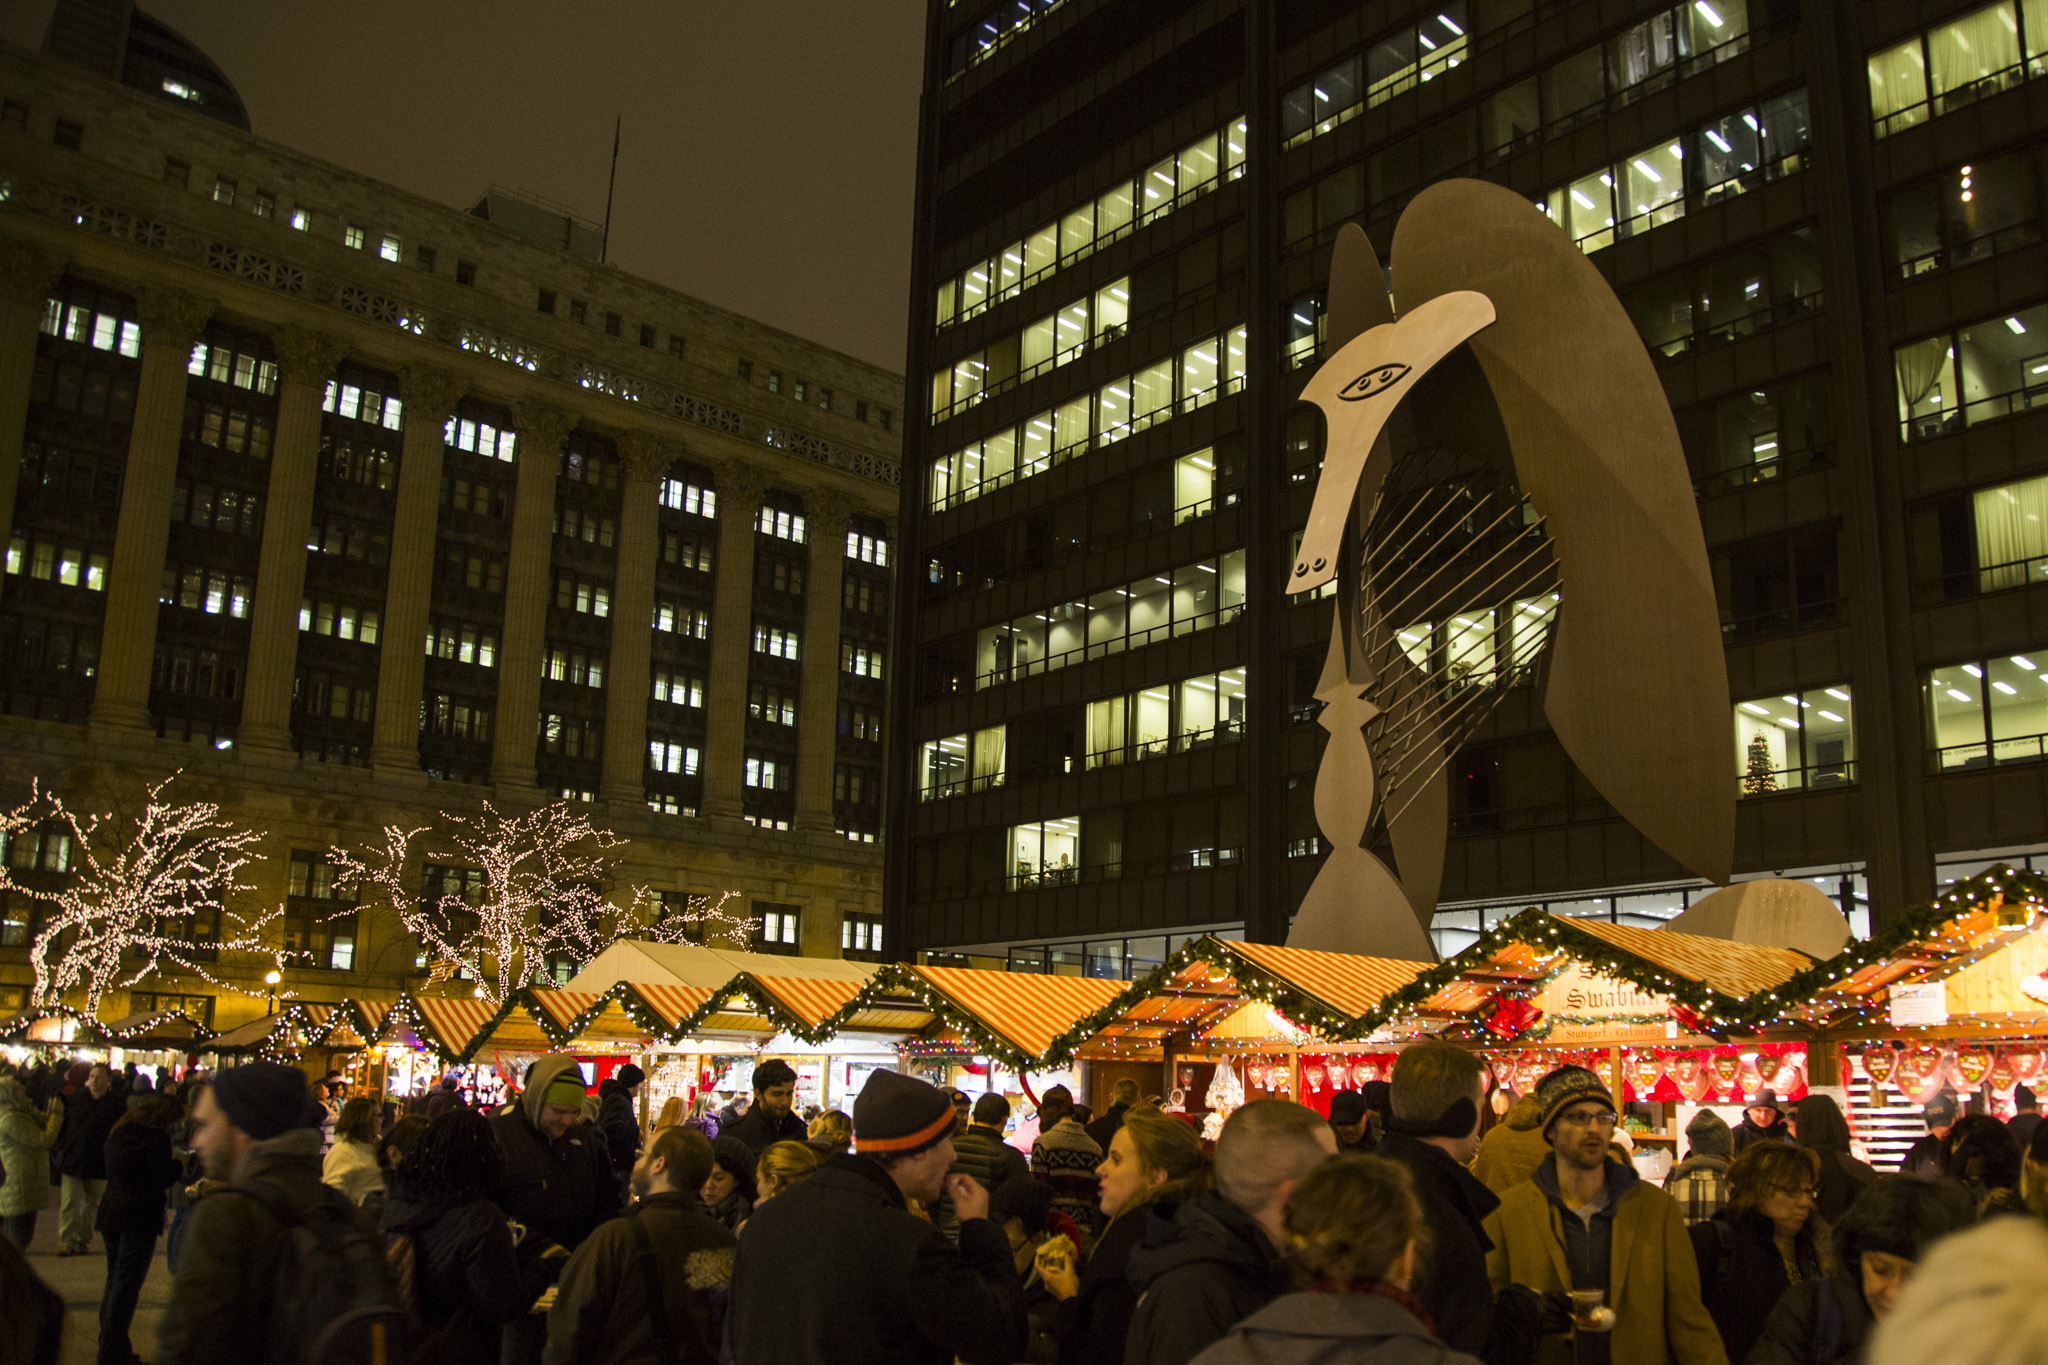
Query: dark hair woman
column 141, row 1168
column 728, row 1193
column 351, row 1164
column 1983, row 1154
column 449, row 1243
column 1828, row 1319
column 1768, row 1239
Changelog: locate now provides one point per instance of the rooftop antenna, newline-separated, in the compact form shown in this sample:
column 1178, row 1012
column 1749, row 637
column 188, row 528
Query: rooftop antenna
column 604, row 248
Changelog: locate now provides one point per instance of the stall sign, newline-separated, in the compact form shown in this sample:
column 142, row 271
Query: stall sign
column 1920, row 1006
column 1585, row 1006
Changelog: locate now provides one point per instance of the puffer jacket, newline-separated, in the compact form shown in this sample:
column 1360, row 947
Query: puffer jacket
column 1205, row 1267
column 1513, row 1148
column 26, row 1138
column 463, row 1262
column 1332, row 1329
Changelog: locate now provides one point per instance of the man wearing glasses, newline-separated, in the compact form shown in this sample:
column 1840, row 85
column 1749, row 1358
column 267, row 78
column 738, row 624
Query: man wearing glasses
column 1587, row 1226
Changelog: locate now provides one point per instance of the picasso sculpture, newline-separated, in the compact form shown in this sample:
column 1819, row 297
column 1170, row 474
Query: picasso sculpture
column 1503, row 501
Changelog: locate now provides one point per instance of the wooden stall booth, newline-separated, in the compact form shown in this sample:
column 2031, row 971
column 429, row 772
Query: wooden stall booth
column 1953, row 997
column 1223, row 1022
column 1662, row 1018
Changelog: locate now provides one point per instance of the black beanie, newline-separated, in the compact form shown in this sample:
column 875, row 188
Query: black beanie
column 265, row 1099
column 630, row 1074
column 898, row 1115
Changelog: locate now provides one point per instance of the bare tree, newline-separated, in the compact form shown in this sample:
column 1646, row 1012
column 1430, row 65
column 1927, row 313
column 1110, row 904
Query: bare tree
column 522, row 888
column 126, row 897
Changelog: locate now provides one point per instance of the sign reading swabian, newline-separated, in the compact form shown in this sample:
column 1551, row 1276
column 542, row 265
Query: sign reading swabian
column 1585, row 1006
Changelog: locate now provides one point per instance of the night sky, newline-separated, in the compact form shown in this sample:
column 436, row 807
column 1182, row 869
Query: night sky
column 769, row 151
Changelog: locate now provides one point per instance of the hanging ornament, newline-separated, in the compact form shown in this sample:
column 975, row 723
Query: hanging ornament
column 1969, row 1068
column 1727, row 1072
column 1226, row 1093
column 1880, row 1063
column 2026, row 1064
column 1645, row 1070
column 1312, row 1075
column 1922, row 1073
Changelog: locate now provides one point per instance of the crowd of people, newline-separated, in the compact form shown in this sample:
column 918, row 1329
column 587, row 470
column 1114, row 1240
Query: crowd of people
column 1403, row 1229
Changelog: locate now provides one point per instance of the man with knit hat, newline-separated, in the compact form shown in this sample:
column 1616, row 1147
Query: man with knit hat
column 1700, row 1182
column 838, row 1268
column 1584, row 1222
column 257, row 1124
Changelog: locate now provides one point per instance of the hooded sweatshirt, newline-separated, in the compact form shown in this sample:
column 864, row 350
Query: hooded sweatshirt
column 1589, row 1241
column 1842, row 1177
column 560, row 1189
column 1512, row 1148
column 1205, row 1266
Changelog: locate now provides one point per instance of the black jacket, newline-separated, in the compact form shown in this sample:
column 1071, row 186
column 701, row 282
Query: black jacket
column 82, row 1145
column 760, row 1131
column 838, row 1269
column 1747, row 1134
column 1093, row 1325
column 618, row 1123
column 1742, row 1276
column 1205, row 1266
column 602, row 1314
column 1793, row 1332
column 1104, row 1128
column 141, row 1168
column 463, row 1262
column 562, row 1189
column 1842, row 1177
column 1451, row 1280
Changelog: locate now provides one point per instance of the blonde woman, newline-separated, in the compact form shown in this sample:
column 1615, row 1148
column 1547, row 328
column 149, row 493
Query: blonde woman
column 1151, row 1158
column 1351, row 1227
column 832, row 1130
column 783, row 1165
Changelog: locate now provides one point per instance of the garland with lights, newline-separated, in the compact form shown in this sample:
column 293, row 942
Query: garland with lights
column 2014, row 899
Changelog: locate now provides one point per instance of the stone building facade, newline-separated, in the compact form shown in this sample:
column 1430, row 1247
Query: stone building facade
column 350, row 507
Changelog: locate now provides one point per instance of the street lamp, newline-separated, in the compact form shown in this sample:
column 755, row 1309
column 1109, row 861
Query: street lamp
column 272, row 979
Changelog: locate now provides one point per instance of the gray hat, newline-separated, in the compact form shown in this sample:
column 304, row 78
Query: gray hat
column 1709, row 1135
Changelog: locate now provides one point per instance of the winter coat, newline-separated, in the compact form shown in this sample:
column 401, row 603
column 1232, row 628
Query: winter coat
column 1842, row 1177
column 1742, row 1276
column 1748, row 1135
column 141, row 1168
column 1205, row 1267
column 601, row 1312
column 1332, row 1329
column 1700, row 1185
column 82, row 1146
column 463, row 1262
column 1792, row 1331
column 560, row 1190
column 760, row 1130
column 1104, row 1128
column 1093, row 1325
column 982, row 1153
column 352, row 1168
column 26, row 1138
column 1653, row 1277
column 2022, row 1127
column 1450, row 1281
column 837, row 1269
column 617, row 1121
column 220, row 1300
column 1512, row 1148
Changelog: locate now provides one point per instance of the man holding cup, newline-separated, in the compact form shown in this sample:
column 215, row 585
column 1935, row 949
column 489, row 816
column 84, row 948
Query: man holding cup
column 1589, row 1227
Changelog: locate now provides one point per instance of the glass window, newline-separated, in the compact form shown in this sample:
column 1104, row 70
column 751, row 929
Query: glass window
column 2004, row 364
column 1572, row 86
column 1978, row 54
column 1194, row 485
column 1114, row 210
column 1955, row 716
column 989, row 757
column 1112, row 308
column 2018, row 697
column 2012, row 534
column 942, row 767
column 1585, row 209
column 1929, row 403
column 1898, row 87
column 1794, row 741
column 1653, row 188
column 1044, row 853
column 1197, row 169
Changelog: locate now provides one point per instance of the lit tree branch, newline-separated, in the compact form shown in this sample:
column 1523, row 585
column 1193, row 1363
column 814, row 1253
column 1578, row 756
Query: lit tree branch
column 118, row 893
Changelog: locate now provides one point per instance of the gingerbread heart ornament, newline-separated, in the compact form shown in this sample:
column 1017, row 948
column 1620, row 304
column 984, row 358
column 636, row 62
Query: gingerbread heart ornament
column 1922, row 1073
column 1880, row 1064
column 1689, row 1073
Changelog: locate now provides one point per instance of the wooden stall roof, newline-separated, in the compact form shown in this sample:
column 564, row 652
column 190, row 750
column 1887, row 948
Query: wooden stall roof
column 161, row 1027
column 454, row 1027
column 1712, row 978
column 1984, row 937
column 23, row 1027
column 687, row 964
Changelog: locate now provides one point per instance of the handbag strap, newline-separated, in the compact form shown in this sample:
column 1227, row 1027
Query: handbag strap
column 658, row 1324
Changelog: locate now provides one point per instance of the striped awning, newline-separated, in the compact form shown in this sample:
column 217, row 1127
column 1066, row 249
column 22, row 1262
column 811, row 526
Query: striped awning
column 671, row 1004
column 810, row 1000
column 454, row 1026
column 1733, row 969
column 1027, row 1010
column 1348, row 985
column 565, row 1009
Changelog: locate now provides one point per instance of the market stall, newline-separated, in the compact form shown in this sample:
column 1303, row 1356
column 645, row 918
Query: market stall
column 1951, row 997
column 1655, row 1014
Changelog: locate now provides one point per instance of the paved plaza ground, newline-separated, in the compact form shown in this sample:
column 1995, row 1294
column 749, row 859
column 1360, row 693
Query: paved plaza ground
column 79, row 1279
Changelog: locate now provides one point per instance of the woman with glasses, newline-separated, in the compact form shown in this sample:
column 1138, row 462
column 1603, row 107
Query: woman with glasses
column 1768, row 1239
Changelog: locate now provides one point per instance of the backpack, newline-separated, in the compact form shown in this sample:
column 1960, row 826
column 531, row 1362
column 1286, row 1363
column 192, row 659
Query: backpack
column 331, row 1301
column 401, row 1254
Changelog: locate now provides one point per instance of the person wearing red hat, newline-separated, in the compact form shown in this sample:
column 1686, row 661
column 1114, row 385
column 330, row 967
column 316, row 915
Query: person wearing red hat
column 838, row 1268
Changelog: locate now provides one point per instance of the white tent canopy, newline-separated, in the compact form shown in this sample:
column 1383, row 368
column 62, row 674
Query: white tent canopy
column 687, row 964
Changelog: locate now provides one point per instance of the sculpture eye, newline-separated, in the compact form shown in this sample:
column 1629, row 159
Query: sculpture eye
column 1373, row 382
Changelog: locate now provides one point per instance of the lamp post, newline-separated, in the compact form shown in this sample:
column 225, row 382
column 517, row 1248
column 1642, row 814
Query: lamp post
column 273, row 978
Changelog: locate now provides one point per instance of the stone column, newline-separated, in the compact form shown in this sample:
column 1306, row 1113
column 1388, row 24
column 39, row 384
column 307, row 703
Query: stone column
column 817, row 710
column 430, row 397
column 732, row 629
column 171, row 323
column 529, row 574
column 27, row 274
column 625, row 705
column 306, row 361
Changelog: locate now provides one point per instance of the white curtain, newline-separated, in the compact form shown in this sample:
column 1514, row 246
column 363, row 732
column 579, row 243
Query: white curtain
column 2012, row 528
column 1974, row 46
column 1921, row 367
column 989, row 748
